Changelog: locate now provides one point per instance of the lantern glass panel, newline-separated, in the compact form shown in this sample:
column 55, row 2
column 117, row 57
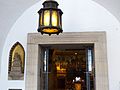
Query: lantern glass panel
column 41, row 17
column 46, row 18
column 54, row 18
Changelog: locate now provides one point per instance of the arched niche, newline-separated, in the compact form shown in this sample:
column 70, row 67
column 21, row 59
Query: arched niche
column 16, row 62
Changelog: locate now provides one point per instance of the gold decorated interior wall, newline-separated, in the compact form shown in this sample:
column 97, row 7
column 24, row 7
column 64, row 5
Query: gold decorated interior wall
column 17, row 48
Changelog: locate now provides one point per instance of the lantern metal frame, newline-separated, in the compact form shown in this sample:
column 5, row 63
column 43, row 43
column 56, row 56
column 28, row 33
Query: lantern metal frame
column 51, row 6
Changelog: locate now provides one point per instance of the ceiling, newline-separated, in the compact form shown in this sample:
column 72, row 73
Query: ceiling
column 13, row 9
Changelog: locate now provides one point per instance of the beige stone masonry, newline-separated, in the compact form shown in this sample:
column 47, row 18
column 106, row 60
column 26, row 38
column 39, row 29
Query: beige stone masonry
column 34, row 52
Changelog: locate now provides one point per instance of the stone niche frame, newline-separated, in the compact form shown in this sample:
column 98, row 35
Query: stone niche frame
column 34, row 55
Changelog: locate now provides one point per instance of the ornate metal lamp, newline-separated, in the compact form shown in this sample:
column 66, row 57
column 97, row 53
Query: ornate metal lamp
column 50, row 18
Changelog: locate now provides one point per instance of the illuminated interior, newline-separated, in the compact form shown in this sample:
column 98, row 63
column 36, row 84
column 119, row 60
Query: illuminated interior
column 70, row 69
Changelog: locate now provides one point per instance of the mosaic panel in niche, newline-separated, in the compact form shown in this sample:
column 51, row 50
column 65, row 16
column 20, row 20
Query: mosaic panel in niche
column 16, row 62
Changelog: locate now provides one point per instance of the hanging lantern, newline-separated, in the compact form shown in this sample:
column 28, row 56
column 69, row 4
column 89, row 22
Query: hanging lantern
column 50, row 21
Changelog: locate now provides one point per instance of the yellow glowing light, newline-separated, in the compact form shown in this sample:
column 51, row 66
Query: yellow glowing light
column 60, row 69
column 54, row 18
column 46, row 17
column 50, row 30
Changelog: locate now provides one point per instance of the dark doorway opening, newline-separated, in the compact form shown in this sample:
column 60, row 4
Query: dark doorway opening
column 68, row 67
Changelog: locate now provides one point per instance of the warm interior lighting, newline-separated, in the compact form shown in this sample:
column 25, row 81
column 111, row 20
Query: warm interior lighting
column 46, row 17
column 77, row 86
column 54, row 18
column 62, row 70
